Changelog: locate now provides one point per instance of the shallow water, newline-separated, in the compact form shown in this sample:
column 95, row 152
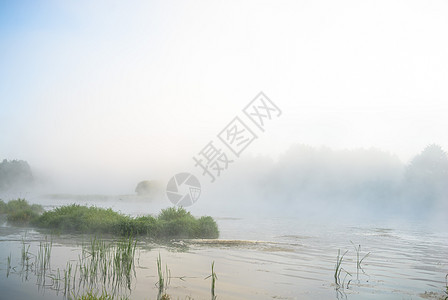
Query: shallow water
column 272, row 258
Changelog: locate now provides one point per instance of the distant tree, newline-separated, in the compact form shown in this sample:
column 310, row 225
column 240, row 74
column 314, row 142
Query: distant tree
column 358, row 175
column 151, row 188
column 14, row 174
column 426, row 177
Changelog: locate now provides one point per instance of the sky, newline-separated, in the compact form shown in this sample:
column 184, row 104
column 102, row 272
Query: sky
column 122, row 90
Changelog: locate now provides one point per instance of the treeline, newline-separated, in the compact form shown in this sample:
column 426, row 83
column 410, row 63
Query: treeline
column 15, row 174
column 367, row 180
column 370, row 177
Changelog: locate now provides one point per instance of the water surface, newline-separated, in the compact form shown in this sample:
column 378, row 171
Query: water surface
column 258, row 258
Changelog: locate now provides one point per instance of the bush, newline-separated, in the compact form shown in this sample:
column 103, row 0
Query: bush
column 80, row 218
column 137, row 226
column 207, row 229
column 172, row 213
column 170, row 223
column 20, row 212
column 178, row 228
column 178, row 223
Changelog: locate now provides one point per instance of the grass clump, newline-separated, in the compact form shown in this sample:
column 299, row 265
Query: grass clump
column 20, row 211
column 178, row 223
column 170, row 223
column 80, row 219
column 129, row 226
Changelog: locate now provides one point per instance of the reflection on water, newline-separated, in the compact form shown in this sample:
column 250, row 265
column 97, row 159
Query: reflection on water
column 258, row 259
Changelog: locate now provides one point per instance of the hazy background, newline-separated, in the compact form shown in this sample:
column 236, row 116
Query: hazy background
column 98, row 95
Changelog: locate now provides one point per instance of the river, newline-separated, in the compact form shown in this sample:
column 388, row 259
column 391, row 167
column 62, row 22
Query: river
column 256, row 258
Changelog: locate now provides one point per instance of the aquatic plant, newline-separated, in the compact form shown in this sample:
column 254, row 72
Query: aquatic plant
column 128, row 226
column 339, row 269
column 8, row 266
column 108, row 264
column 80, row 219
column 214, row 278
column 101, row 264
column 359, row 260
column 164, row 280
column 42, row 261
column 25, row 256
column 20, row 212
column 170, row 223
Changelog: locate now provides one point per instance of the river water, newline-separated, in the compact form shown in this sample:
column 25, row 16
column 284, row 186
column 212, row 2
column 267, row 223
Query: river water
column 257, row 258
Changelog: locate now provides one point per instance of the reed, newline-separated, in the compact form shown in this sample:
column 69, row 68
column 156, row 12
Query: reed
column 42, row 260
column 8, row 266
column 102, row 265
column 67, row 278
column 164, row 280
column 110, row 264
column 214, row 277
column 25, row 256
column 339, row 269
column 359, row 259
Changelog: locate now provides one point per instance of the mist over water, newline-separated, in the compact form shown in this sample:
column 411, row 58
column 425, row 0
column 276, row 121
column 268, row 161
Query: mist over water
column 102, row 103
column 311, row 183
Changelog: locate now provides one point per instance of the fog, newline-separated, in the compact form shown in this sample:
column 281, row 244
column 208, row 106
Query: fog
column 313, row 183
column 97, row 97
